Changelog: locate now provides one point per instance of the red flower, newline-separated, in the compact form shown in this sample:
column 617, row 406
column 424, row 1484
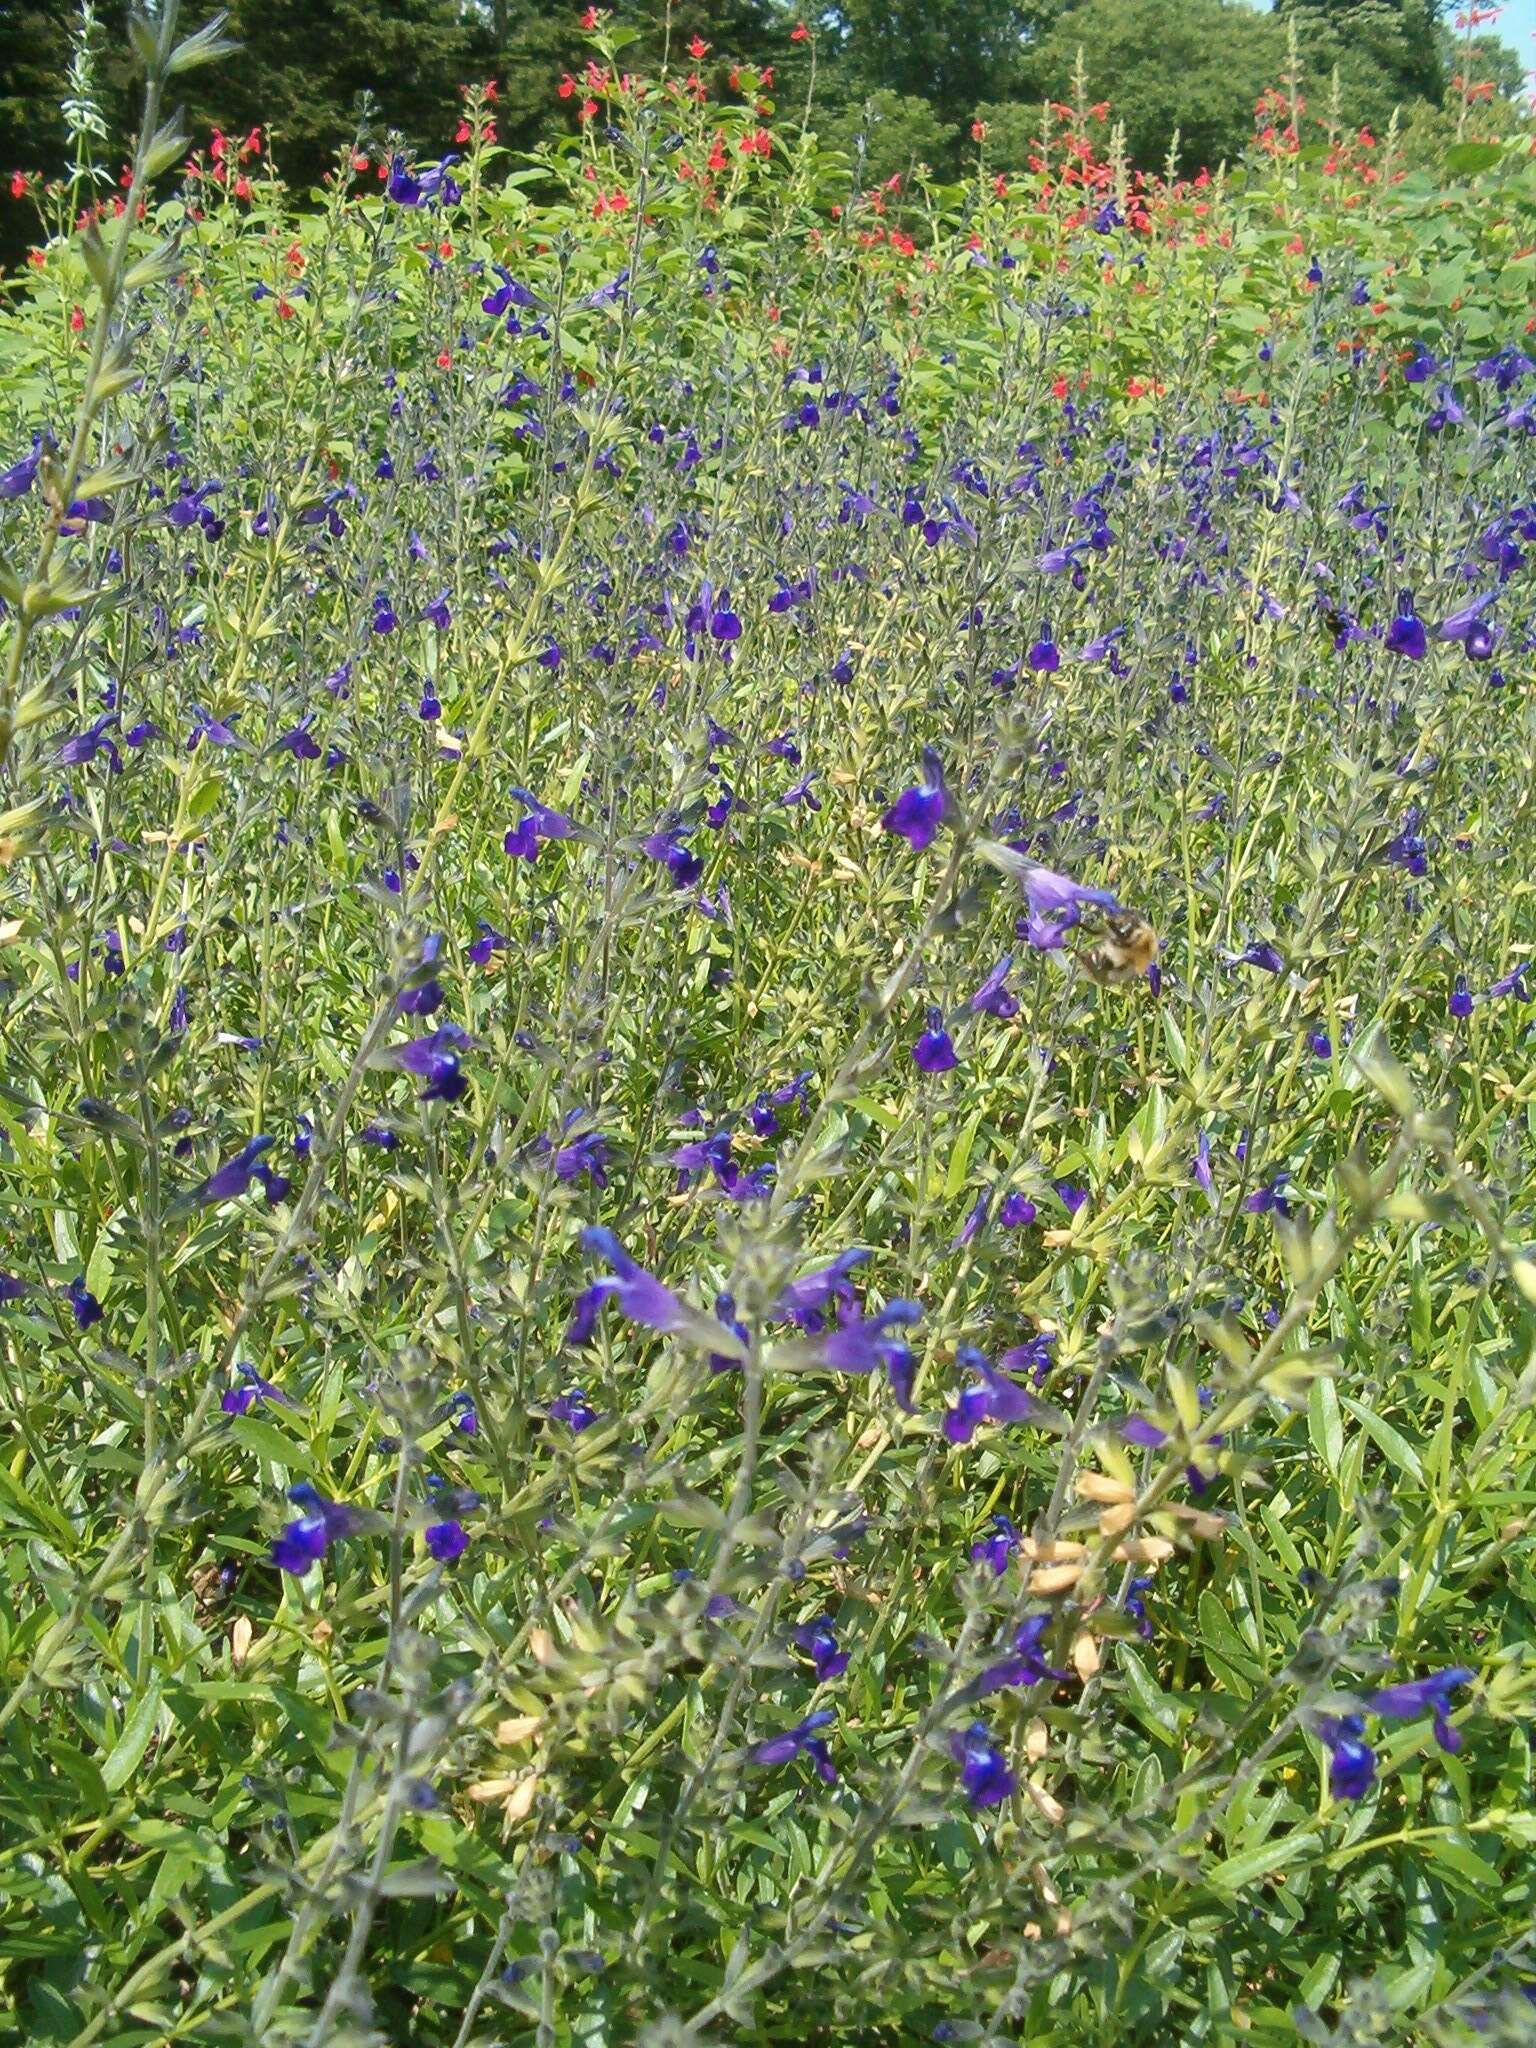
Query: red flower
column 566, row 86
column 978, row 131
column 589, row 20
column 18, row 184
column 76, row 320
column 697, row 48
column 799, row 33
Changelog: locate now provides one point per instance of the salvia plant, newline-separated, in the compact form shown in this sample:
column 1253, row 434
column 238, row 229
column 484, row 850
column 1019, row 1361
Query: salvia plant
column 766, row 957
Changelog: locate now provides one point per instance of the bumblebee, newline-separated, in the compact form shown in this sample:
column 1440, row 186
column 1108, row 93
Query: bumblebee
column 1124, row 952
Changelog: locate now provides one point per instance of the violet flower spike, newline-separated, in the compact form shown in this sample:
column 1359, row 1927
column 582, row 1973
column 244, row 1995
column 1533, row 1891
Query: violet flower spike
column 801, row 1740
column 918, row 814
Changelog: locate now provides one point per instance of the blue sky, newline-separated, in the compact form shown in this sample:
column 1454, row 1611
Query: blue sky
column 1516, row 24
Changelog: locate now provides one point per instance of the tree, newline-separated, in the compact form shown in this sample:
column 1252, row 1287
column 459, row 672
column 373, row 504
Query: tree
column 1195, row 66
column 303, row 63
column 1388, row 53
column 953, row 53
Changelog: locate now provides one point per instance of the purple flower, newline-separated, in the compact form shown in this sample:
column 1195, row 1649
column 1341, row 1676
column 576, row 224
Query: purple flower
column 1271, row 1198
column 1511, row 984
column 490, row 941
column 1200, row 1166
column 917, row 814
column 994, row 996
column 84, row 1305
column 859, row 1344
column 1468, row 626
column 975, row 1220
column 1262, row 954
column 804, row 1301
column 417, row 188
column 1421, row 365
column 235, row 1175
column 574, row 1410
column 983, row 1770
column 12, row 1289
column 1406, row 635
column 997, row 1549
column 1072, row 1198
column 321, row 1523
column 1017, row 1211
column 299, row 741
column 819, row 1643
column 587, row 1153
column 642, row 1298
column 934, row 1052
column 995, row 1398
column 240, row 1400
column 1026, row 1666
column 85, row 746
column 540, row 822
column 423, row 992
column 16, row 481
column 684, row 867
column 447, row 1540
column 1461, row 999
column 1430, row 1695
column 1044, row 656
column 1351, row 1760
column 216, row 731
column 801, row 1740
column 434, row 1060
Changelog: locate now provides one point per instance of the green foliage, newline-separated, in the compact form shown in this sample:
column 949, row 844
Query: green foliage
column 643, row 532
column 888, row 135
column 1213, row 59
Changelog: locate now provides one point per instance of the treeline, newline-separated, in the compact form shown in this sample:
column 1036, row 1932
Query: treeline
column 907, row 76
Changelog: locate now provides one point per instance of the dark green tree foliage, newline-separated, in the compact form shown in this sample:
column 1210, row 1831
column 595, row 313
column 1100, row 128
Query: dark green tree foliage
column 953, row 53
column 303, row 64
column 1388, row 52
column 34, row 55
column 1191, row 66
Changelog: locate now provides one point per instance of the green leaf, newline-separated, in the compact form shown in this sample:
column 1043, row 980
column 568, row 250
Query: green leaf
column 1466, row 159
column 1238, row 1871
column 126, row 1754
column 1394, row 1447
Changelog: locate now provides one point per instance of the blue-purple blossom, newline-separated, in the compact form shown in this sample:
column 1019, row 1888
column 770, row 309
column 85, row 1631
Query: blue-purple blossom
column 801, row 1740
column 1406, row 634
column 1017, row 1211
column 1431, row 1695
column 934, row 1052
column 321, row 1523
column 641, row 1297
column 423, row 992
column 1026, row 1665
column 996, row 1550
column 819, row 1643
column 85, row 746
column 994, row 996
column 918, row 813
column 235, row 1175
column 434, row 1060
column 447, row 1540
column 984, row 1771
column 574, row 1410
column 994, row 1398
column 1351, row 1760
column 860, row 1344
column 241, row 1399
column 805, row 1301
column 84, row 1306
